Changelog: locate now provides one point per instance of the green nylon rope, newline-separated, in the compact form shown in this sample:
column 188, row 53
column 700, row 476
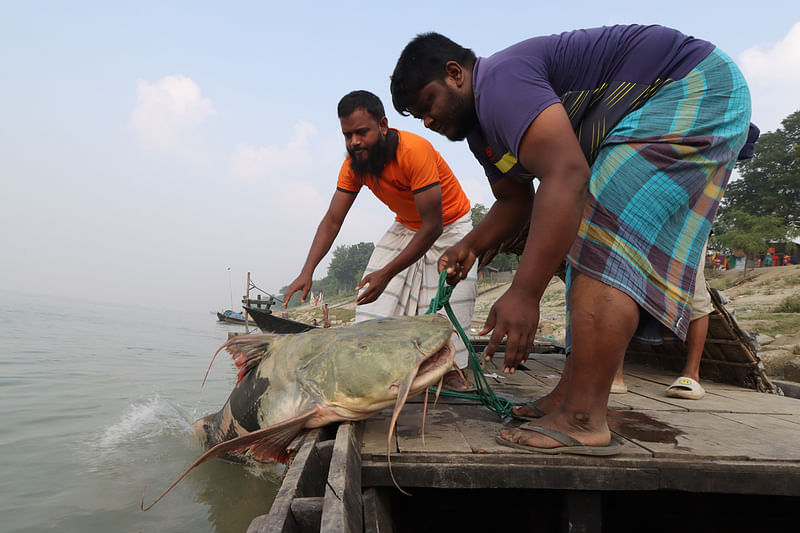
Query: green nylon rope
column 485, row 394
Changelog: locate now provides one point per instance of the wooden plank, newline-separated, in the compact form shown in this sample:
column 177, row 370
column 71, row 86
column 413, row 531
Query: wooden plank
column 534, row 381
column 783, row 425
column 536, row 471
column 465, row 429
column 302, row 479
column 513, row 471
column 441, row 431
column 377, row 511
column 665, row 379
column 374, row 433
column 707, row 436
column 642, row 394
column 771, row 479
column 307, row 513
column 757, row 402
column 554, row 361
column 478, row 428
column 342, row 509
column 789, row 419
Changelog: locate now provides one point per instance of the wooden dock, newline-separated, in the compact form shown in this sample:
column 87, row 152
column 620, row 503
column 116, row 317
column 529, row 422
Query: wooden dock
column 728, row 462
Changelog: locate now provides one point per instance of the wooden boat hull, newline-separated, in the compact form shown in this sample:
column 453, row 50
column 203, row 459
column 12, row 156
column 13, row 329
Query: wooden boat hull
column 270, row 323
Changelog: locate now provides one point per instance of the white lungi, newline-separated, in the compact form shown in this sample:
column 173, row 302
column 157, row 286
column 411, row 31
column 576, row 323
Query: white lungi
column 410, row 292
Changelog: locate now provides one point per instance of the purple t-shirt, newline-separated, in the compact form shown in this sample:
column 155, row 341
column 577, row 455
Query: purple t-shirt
column 598, row 74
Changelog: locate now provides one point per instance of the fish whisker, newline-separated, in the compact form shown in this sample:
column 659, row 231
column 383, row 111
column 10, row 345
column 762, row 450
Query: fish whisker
column 424, row 412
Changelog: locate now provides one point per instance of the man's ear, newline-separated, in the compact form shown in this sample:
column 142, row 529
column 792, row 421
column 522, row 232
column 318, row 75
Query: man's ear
column 455, row 72
column 384, row 125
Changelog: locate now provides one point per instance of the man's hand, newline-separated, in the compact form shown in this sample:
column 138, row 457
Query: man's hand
column 514, row 315
column 457, row 260
column 303, row 282
column 377, row 282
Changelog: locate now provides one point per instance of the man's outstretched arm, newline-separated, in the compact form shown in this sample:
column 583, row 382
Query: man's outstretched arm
column 327, row 231
column 550, row 150
column 429, row 207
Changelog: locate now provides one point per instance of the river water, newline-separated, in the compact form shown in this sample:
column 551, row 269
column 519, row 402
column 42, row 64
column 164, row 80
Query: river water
column 96, row 403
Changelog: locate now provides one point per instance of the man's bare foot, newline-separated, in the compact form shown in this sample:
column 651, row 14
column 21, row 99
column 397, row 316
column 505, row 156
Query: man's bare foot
column 618, row 387
column 527, row 410
column 520, row 435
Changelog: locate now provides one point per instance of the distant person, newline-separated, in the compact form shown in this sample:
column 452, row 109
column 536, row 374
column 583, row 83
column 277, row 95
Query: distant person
column 432, row 213
column 633, row 132
column 314, row 323
column 768, row 260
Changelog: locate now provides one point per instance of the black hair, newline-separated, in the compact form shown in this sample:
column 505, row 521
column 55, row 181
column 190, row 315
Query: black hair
column 422, row 61
column 361, row 100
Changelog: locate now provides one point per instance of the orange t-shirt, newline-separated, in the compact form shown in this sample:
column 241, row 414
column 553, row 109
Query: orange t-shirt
column 416, row 167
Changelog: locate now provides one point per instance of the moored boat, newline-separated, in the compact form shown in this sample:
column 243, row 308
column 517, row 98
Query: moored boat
column 270, row 323
column 232, row 317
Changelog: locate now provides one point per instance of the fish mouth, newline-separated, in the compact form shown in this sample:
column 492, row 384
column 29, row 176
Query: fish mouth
column 429, row 371
column 433, row 367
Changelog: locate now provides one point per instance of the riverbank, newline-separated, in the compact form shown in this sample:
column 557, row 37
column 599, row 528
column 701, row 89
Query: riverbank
column 766, row 302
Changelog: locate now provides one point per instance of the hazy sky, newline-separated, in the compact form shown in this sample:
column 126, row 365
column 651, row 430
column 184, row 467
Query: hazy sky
column 148, row 147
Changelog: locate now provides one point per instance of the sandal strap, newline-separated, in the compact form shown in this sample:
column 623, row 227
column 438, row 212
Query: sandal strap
column 554, row 434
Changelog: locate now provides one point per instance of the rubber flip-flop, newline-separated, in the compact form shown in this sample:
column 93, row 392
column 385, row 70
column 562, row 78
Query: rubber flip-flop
column 571, row 445
column 686, row 388
column 539, row 413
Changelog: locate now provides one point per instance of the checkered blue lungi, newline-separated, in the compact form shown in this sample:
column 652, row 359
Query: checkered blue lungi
column 655, row 188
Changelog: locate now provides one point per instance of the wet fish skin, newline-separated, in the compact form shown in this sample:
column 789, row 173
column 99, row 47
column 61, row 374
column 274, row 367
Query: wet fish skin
column 310, row 379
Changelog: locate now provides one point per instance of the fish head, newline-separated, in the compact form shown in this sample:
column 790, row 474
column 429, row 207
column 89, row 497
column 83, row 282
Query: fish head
column 367, row 365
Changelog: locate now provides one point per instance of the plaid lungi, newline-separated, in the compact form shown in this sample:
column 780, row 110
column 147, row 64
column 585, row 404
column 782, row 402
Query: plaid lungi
column 655, row 188
column 410, row 292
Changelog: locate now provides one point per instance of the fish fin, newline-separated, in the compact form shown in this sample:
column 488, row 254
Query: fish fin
column 266, row 443
column 247, row 352
column 275, row 439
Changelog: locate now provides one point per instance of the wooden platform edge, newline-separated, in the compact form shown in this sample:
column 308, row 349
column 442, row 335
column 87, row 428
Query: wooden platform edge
column 532, row 472
column 322, row 487
column 342, row 506
column 303, row 480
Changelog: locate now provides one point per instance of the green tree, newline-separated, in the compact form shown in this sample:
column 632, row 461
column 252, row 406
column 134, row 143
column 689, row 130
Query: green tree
column 348, row 264
column 737, row 229
column 477, row 213
column 770, row 184
column 344, row 271
column 501, row 261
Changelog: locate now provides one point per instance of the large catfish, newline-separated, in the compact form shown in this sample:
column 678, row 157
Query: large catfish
column 305, row 380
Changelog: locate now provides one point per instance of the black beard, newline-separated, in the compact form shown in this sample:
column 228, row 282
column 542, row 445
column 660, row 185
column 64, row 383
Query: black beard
column 462, row 114
column 377, row 156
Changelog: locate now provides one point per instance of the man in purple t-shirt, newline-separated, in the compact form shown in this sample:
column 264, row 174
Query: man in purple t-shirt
column 633, row 132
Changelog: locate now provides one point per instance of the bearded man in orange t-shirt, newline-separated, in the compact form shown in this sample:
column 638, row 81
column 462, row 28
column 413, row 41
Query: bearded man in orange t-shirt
column 431, row 210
